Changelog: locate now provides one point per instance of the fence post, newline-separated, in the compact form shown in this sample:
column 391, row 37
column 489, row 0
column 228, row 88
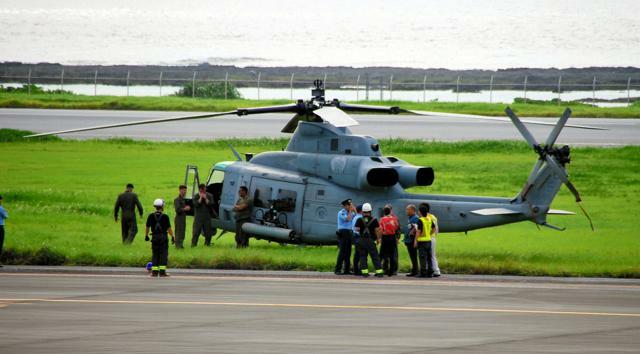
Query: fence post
column 325, row 81
column 593, row 98
column 259, row 74
column 226, row 84
column 128, row 74
column 366, row 88
column 291, row 85
column 628, row 91
column 491, row 89
column 62, row 80
column 193, row 85
column 391, row 88
column 381, row 88
column 559, row 88
column 424, row 89
column 29, row 82
column 526, row 80
column 358, row 88
column 160, row 83
column 458, row 90
column 95, row 84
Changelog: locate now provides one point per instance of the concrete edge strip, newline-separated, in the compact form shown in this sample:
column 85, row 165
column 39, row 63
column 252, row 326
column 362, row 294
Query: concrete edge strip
column 451, row 278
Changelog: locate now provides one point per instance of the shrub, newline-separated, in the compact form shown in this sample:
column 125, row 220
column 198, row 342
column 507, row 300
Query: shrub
column 210, row 90
column 34, row 90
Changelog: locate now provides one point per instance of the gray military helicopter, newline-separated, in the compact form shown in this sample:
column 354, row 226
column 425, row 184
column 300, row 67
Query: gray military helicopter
column 296, row 193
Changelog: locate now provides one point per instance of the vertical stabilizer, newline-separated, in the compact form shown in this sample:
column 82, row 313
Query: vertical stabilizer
column 548, row 173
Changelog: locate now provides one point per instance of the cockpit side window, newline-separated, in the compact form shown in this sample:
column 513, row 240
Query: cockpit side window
column 287, row 200
column 261, row 197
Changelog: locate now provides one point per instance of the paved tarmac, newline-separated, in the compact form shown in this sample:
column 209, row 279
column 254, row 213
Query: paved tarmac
column 98, row 310
column 621, row 131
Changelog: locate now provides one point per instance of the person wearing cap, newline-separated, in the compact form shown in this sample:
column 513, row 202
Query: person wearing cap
column 370, row 233
column 344, row 233
column 356, row 240
column 202, row 203
column 160, row 225
column 3, row 215
column 180, row 221
column 128, row 202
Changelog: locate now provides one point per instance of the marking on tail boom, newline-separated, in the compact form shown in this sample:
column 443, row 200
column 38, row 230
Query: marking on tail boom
column 496, row 211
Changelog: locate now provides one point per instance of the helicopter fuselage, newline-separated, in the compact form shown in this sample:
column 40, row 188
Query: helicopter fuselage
column 296, row 193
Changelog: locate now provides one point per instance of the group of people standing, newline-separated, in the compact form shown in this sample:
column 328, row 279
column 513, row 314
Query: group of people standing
column 203, row 202
column 357, row 227
column 160, row 225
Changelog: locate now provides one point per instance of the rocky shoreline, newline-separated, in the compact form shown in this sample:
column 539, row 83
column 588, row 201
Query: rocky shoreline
column 615, row 78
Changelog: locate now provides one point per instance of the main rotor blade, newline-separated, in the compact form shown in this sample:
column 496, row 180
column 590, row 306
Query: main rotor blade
column 498, row 119
column 558, row 128
column 292, row 125
column 139, row 122
column 293, row 108
column 350, row 107
column 523, row 130
column 335, row 116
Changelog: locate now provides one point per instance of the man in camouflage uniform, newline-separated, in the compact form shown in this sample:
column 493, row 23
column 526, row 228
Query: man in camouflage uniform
column 180, row 221
column 128, row 201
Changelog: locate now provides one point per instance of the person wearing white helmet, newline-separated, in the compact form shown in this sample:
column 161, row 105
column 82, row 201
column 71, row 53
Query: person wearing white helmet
column 370, row 233
column 160, row 225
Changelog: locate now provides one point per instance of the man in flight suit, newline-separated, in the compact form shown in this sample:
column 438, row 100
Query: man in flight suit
column 128, row 201
column 202, row 203
column 180, row 221
column 242, row 211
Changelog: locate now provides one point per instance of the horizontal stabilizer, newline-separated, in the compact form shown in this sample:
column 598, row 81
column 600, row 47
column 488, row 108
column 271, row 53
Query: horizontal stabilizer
column 560, row 212
column 496, row 211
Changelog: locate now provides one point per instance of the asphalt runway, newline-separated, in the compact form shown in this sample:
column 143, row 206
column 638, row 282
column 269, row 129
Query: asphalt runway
column 621, row 131
column 264, row 312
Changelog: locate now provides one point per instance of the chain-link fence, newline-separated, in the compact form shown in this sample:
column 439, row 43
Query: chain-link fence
column 255, row 85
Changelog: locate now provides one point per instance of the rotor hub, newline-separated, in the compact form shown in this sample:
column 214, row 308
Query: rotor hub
column 561, row 154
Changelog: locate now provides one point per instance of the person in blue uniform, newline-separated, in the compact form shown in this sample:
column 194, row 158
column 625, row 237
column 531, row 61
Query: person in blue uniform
column 345, row 235
column 3, row 215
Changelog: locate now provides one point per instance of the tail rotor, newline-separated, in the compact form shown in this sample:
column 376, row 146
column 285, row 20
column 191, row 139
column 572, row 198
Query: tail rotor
column 550, row 157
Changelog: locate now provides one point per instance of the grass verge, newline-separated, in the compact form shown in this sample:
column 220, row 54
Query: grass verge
column 60, row 196
column 67, row 101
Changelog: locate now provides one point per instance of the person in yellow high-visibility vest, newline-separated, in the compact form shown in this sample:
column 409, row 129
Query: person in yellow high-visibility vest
column 423, row 241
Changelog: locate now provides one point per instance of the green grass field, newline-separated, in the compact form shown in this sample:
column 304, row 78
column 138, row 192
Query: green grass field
column 67, row 101
column 60, row 196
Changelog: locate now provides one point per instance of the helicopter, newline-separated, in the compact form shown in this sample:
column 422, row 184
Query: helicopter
column 296, row 193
